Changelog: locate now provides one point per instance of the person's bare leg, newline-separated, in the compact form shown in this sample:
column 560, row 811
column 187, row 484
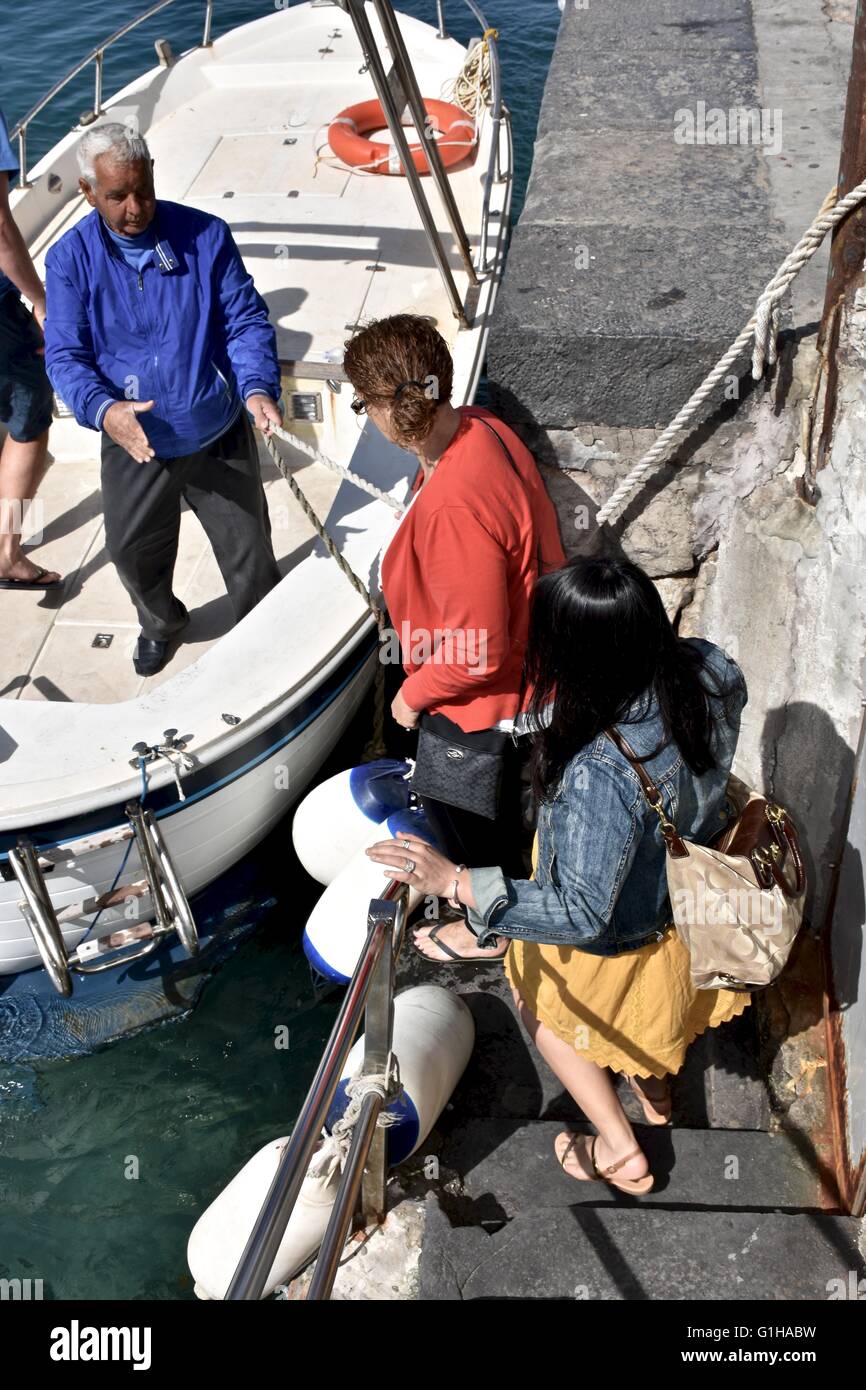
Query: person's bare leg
column 22, row 468
column 593, row 1090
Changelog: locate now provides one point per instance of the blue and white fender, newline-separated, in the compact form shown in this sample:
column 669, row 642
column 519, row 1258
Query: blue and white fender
column 434, row 1034
column 337, row 926
column 220, row 1235
column 334, row 820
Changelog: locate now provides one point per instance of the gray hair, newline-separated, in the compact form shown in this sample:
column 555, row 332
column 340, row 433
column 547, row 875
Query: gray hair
column 122, row 141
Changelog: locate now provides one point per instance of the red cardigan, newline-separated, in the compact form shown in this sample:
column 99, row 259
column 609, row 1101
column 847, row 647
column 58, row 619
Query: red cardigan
column 458, row 575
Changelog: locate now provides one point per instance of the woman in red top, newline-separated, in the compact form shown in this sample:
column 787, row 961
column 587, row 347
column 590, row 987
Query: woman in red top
column 458, row 575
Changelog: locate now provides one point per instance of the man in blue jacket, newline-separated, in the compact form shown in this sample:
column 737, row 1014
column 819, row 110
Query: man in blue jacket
column 155, row 335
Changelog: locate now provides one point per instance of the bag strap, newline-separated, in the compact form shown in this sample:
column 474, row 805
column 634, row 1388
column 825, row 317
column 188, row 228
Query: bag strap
column 675, row 845
column 516, row 471
column 505, row 447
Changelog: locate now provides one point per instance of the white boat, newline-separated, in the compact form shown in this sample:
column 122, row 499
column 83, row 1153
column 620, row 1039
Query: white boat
column 237, row 127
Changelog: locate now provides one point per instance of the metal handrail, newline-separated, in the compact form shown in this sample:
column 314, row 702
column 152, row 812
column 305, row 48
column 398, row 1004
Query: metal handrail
column 493, row 171
column 373, row 976
column 96, row 56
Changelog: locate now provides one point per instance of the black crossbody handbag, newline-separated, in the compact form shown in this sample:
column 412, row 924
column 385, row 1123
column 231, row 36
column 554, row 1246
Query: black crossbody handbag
column 458, row 768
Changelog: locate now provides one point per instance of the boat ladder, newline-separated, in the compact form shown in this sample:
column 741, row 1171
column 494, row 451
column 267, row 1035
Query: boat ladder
column 120, row 947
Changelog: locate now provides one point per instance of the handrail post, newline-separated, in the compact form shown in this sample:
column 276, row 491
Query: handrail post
column 357, row 13
column 260, row 1250
column 97, row 83
column 440, row 16
column 366, row 1162
column 378, row 1033
column 206, row 40
column 23, row 181
column 403, row 65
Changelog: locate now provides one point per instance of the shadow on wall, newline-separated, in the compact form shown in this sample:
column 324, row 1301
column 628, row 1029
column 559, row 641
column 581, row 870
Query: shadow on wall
column 809, row 768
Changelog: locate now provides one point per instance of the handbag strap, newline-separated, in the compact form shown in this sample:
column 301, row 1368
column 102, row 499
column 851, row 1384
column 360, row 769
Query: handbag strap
column 508, row 453
column 516, row 471
column 675, row 845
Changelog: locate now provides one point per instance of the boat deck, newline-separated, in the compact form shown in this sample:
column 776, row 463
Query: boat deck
column 238, row 130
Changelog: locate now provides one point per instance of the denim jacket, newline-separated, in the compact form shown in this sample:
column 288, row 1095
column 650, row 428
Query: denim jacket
column 600, row 881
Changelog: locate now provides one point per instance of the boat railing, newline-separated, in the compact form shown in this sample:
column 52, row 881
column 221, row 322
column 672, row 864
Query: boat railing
column 370, row 993
column 356, row 9
column 95, row 56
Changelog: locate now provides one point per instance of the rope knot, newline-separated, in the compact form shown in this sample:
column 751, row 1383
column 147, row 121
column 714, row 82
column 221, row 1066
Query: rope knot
column 385, row 1084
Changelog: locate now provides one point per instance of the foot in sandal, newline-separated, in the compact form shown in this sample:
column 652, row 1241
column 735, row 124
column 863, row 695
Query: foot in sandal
column 588, row 1158
column 654, row 1095
column 452, row 942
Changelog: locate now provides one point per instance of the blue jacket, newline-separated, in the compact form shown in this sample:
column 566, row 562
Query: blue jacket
column 600, row 881
column 189, row 331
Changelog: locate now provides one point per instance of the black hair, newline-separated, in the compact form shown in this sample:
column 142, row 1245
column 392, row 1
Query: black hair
column 599, row 643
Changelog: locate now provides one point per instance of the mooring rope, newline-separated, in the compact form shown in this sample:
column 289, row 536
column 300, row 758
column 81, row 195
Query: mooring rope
column 363, row 483
column 376, row 746
column 763, row 327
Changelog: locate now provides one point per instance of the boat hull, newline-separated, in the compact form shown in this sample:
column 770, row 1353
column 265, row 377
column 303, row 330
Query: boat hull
column 229, row 808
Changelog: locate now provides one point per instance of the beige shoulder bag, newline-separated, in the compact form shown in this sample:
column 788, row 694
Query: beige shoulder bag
column 738, row 903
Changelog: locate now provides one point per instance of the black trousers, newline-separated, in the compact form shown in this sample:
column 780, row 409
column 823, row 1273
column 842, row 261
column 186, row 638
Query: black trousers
column 222, row 485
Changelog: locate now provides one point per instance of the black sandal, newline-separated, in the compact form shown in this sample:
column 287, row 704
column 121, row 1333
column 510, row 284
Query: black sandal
column 35, row 583
column 455, row 959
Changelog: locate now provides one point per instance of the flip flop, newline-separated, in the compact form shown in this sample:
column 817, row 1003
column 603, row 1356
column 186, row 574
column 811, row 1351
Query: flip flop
column 35, row 583
column 455, row 959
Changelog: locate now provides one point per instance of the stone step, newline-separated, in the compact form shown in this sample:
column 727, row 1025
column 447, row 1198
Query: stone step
column 494, row 1170
column 609, row 1251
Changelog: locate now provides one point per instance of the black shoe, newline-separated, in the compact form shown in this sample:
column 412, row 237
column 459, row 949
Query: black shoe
column 150, row 655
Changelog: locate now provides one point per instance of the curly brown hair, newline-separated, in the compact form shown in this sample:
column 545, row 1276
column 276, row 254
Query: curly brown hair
column 404, row 362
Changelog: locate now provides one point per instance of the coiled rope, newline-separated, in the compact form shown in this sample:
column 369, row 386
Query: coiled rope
column 763, row 327
column 471, row 88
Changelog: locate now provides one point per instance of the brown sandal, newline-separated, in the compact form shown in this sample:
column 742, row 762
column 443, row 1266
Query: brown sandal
column 656, row 1109
column 636, row 1186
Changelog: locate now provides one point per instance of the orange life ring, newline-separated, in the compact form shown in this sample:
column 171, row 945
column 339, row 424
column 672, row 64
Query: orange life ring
column 348, row 131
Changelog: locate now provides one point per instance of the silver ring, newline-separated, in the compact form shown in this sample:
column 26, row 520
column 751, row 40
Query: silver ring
column 407, row 844
column 410, row 866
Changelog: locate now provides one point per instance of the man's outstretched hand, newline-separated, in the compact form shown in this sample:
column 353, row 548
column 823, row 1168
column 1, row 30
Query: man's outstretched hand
column 120, row 421
column 265, row 412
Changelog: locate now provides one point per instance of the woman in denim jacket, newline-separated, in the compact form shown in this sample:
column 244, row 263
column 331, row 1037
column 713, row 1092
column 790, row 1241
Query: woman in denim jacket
column 600, row 977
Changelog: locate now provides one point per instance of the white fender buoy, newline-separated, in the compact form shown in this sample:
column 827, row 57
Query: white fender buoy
column 337, row 926
column 335, row 819
column 434, row 1034
column 219, row 1237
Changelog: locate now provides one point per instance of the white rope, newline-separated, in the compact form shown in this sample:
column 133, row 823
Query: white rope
column 335, row 467
column 763, row 326
column 385, row 1084
column 178, row 761
column 471, row 88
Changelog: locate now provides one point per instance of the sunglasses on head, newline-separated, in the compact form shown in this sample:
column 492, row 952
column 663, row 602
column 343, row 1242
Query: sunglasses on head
column 360, row 407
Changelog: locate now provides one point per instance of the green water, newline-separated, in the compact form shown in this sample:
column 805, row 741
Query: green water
column 106, row 1161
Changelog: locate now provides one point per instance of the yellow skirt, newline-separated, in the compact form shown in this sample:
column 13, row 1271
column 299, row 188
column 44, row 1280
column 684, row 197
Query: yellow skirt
column 636, row 1012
